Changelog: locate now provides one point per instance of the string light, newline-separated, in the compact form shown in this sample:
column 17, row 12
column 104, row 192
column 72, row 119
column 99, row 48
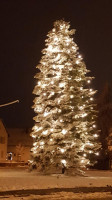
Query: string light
column 64, row 162
column 64, row 131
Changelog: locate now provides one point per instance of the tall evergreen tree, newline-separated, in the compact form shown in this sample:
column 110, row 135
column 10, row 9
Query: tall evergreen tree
column 65, row 132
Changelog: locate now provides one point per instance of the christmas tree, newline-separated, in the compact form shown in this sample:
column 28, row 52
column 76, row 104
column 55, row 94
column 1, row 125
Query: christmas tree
column 65, row 132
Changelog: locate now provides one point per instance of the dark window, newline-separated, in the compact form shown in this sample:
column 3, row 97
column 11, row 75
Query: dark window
column 2, row 140
column 2, row 154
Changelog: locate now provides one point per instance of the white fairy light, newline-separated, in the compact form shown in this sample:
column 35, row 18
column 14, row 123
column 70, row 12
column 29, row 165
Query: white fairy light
column 39, row 83
column 63, row 162
column 71, row 96
column 91, row 99
column 45, row 114
column 61, row 85
column 45, row 132
column 94, row 126
column 79, row 56
column 41, row 143
column 36, row 128
column 88, row 81
column 64, row 131
column 91, row 90
column 34, row 136
column 95, row 135
column 55, row 39
column 62, row 150
column 35, row 143
column 77, row 62
column 97, row 153
column 73, row 47
column 52, row 93
column 51, row 129
column 59, row 101
column 81, row 108
column 54, row 66
column 84, row 114
column 53, row 29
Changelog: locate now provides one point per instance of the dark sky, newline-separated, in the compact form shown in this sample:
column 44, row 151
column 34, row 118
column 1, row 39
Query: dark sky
column 24, row 25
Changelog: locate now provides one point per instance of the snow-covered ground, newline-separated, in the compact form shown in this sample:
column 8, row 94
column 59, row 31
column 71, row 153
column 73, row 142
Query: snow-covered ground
column 33, row 186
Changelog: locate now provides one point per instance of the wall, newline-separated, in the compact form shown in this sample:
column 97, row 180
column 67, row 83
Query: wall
column 3, row 142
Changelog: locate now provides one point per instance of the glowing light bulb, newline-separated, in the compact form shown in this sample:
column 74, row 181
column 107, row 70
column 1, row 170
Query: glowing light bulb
column 64, row 131
column 91, row 99
column 94, row 126
column 45, row 114
column 77, row 62
column 71, row 96
column 34, row 136
column 54, row 66
column 52, row 82
column 62, row 150
column 55, row 39
column 63, row 162
column 45, row 132
column 79, row 56
column 95, row 135
column 51, row 129
column 81, row 108
column 84, row 115
column 39, row 83
column 97, row 153
column 88, row 81
column 41, row 143
column 61, row 85
column 52, row 93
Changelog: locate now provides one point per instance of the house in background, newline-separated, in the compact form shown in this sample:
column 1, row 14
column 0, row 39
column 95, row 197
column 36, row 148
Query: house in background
column 19, row 144
column 3, row 142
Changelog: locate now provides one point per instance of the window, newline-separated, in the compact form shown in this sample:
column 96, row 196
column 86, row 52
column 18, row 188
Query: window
column 2, row 140
column 2, row 153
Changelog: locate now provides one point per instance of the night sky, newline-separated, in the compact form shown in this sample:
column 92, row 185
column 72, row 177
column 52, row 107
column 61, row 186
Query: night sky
column 24, row 25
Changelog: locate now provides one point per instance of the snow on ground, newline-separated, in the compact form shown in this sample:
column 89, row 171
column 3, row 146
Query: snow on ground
column 21, row 179
column 17, row 179
column 62, row 196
